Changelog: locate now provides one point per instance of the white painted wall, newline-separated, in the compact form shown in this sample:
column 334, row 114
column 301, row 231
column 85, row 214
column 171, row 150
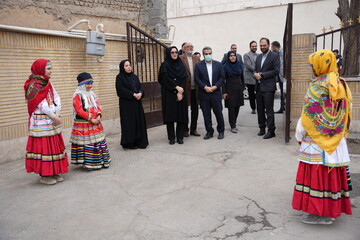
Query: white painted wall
column 220, row 29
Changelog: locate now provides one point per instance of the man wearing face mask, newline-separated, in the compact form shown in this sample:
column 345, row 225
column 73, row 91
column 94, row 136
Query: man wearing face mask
column 190, row 61
column 209, row 76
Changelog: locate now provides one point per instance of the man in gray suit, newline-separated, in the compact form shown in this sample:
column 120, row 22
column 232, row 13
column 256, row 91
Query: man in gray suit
column 233, row 47
column 249, row 67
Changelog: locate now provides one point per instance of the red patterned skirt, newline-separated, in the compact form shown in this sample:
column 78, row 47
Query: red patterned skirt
column 321, row 190
column 46, row 155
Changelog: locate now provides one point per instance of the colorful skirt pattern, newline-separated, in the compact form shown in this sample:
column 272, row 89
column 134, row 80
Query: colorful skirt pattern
column 322, row 190
column 84, row 132
column 46, row 155
column 91, row 156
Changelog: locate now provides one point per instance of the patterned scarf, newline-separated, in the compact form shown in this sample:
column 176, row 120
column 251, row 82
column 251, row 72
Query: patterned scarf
column 326, row 114
column 37, row 86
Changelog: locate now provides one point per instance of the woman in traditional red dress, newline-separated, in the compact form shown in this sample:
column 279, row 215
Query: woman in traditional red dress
column 323, row 180
column 89, row 147
column 46, row 154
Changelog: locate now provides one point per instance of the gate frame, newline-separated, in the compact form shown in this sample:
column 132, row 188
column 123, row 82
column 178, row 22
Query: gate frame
column 287, row 41
column 151, row 89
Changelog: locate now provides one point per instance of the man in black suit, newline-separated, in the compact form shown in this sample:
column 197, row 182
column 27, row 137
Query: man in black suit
column 267, row 69
column 209, row 76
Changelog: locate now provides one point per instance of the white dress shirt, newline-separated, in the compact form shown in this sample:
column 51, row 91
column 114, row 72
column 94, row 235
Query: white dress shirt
column 209, row 69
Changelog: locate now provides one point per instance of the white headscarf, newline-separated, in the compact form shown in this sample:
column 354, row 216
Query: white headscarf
column 89, row 98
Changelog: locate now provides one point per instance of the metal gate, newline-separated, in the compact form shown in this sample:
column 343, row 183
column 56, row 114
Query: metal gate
column 146, row 54
column 287, row 70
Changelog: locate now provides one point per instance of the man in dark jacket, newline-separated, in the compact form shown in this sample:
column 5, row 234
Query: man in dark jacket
column 209, row 76
column 267, row 69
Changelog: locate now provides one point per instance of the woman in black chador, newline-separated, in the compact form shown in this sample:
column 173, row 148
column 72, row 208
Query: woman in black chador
column 233, row 88
column 132, row 117
column 172, row 77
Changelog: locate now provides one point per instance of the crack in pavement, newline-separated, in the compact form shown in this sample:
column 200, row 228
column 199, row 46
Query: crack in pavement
column 248, row 223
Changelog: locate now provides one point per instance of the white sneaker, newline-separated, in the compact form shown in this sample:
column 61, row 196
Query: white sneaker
column 58, row 178
column 48, row 180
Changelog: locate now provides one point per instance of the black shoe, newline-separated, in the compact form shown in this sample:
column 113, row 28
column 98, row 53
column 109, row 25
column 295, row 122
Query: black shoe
column 270, row 134
column 262, row 132
column 253, row 111
column 186, row 134
column 172, row 141
column 180, row 141
column 221, row 135
column 278, row 112
column 208, row 136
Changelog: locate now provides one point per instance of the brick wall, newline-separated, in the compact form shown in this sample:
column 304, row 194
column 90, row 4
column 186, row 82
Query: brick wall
column 60, row 14
column 302, row 75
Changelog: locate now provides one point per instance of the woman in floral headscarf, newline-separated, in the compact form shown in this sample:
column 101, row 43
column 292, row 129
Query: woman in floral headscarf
column 46, row 154
column 322, row 181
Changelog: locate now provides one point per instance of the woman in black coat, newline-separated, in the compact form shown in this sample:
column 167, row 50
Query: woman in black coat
column 233, row 88
column 172, row 77
column 132, row 117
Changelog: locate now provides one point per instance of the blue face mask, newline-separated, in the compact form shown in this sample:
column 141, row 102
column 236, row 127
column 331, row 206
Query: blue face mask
column 208, row 58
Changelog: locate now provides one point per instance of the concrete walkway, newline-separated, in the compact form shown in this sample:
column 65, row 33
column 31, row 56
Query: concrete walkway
column 236, row 188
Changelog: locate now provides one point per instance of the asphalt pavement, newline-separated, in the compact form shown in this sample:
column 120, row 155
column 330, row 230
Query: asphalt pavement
column 236, row 188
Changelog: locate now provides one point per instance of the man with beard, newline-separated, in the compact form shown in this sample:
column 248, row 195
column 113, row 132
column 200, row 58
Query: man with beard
column 250, row 81
column 267, row 69
column 190, row 61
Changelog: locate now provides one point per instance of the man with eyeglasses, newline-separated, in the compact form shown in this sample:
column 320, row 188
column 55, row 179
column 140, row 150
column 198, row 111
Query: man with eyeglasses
column 190, row 61
column 233, row 47
column 267, row 68
column 209, row 76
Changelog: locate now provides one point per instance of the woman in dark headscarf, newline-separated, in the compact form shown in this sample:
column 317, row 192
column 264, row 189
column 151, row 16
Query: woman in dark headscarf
column 132, row 117
column 172, row 77
column 233, row 88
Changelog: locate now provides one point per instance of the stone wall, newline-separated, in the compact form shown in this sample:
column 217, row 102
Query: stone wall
column 60, row 14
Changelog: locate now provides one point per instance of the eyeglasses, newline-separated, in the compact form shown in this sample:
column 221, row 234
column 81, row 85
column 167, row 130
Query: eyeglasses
column 174, row 52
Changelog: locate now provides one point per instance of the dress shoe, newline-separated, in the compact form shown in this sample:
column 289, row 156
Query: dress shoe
column 262, row 132
column 180, row 141
column 172, row 141
column 234, row 130
column 208, row 136
column 221, row 135
column 253, row 112
column 195, row 133
column 269, row 134
column 186, row 134
column 280, row 111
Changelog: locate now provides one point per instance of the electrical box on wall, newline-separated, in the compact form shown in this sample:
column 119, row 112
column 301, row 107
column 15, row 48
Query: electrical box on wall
column 95, row 43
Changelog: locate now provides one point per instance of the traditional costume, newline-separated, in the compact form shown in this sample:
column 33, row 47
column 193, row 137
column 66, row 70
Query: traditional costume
column 46, row 154
column 322, row 185
column 89, row 146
